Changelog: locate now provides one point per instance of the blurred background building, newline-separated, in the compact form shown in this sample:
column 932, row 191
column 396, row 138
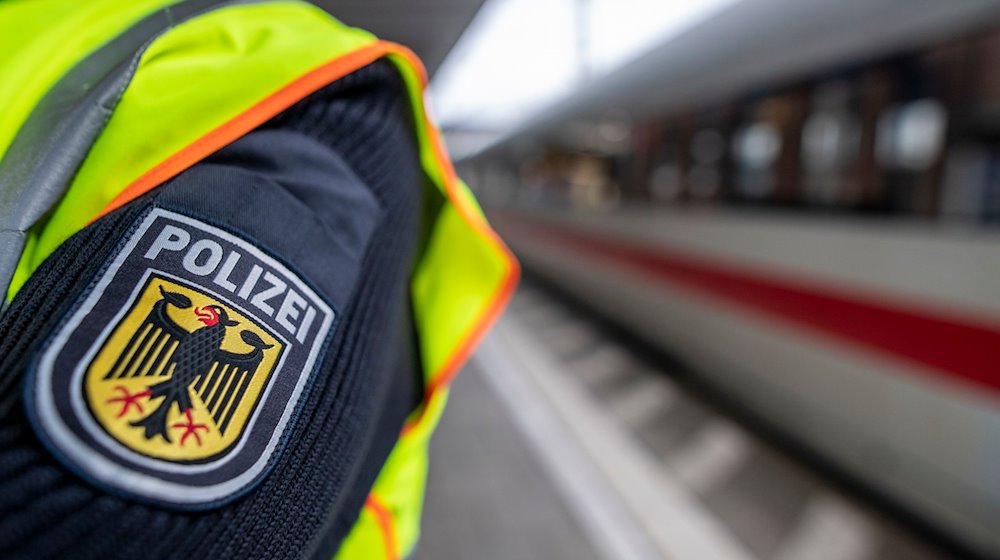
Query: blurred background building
column 762, row 309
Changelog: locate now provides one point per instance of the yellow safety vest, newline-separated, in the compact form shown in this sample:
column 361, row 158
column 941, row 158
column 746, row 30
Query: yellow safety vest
column 198, row 86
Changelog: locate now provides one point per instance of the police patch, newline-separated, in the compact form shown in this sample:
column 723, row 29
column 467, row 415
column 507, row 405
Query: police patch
column 178, row 373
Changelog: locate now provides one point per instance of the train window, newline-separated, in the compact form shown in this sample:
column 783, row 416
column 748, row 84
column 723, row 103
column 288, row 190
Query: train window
column 707, row 146
column 614, row 130
column 756, row 147
column 831, row 143
column 666, row 179
column 911, row 135
column 665, row 182
column 965, row 192
column 591, row 184
column 707, row 149
column 704, row 181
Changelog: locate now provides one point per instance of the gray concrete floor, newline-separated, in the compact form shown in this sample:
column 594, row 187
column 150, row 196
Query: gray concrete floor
column 489, row 496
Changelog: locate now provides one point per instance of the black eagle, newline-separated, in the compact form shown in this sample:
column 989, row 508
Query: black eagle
column 160, row 348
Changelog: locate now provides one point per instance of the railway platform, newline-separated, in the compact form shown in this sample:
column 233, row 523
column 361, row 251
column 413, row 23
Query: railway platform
column 565, row 440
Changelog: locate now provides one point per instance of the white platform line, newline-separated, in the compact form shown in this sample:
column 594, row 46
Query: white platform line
column 603, row 517
column 714, row 454
column 829, row 529
column 544, row 312
column 570, row 336
column 601, row 364
column 668, row 513
column 642, row 399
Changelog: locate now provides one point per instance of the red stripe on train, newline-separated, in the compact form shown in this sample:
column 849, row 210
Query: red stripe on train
column 950, row 345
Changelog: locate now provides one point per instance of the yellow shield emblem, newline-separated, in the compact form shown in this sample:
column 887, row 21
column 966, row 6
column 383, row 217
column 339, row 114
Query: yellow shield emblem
column 177, row 374
column 181, row 374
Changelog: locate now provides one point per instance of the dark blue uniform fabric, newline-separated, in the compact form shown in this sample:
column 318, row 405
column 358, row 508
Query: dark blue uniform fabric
column 333, row 188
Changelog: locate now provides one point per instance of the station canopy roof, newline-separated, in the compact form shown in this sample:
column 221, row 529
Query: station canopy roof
column 746, row 46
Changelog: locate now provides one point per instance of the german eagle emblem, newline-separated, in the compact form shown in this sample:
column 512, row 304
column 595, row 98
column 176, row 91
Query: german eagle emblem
column 180, row 373
column 185, row 358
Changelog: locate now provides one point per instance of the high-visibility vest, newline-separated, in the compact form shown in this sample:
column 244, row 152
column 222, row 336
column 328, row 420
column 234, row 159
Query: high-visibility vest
column 203, row 74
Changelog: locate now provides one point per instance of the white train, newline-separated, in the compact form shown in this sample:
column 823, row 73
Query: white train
column 809, row 221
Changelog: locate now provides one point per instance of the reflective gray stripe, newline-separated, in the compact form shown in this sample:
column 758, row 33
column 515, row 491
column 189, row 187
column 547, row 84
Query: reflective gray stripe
column 52, row 143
